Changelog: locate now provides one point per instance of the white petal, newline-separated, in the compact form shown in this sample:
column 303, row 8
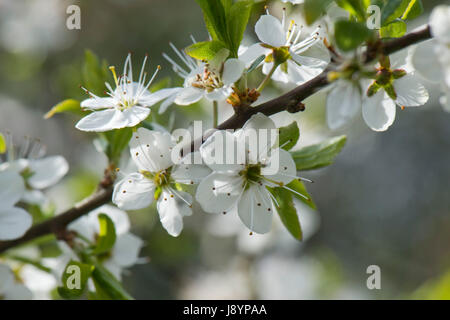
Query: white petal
column 379, row 111
column 84, row 227
column 12, row 188
column 280, row 168
column 187, row 172
column 255, row 209
column 151, row 150
column 168, row 102
column 232, row 71
column 217, row 153
column 99, row 103
column 101, row 121
column 47, row 171
column 308, row 69
column 218, row 193
column 35, row 197
column 220, row 94
column 171, row 210
column 14, row 222
column 410, row 92
column 252, row 53
column 189, row 96
column 343, row 103
column 18, row 292
column 426, row 63
column 6, row 278
column 158, row 96
column 134, row 195
column 440, row 23
column 126, row 250
column 270, row 31
column 119, row 217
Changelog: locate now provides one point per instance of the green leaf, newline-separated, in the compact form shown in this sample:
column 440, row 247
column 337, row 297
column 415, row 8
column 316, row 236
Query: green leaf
column 116, row 142
column 288, row 136
column 414, row 9
column 318, row 155
column 299, row 187
column 74, row 279
column 206, row 50
column 106, row 236
column 107, row 286
column 215, row 19
column 256, row 63
column 393, row 9
column 287, row 212
column 69, row 105
column 237, row 20
column 395, row 29
column 2, row 143
column 314, row 9
column 95, row 73
column 355, row 7
column 349, row 34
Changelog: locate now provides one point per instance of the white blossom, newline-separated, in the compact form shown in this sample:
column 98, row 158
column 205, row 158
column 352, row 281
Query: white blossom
column 126, row 106
column 10, row 288
column 241, row 188
column 202, row 80
column 157, row 179
column 283, row 44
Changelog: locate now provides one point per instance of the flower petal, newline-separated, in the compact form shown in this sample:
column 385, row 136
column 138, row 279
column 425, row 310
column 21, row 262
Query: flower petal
column 189, row 96
column 151, row 150
column 14, row 222
column 379, row 111
column 12, row 188
column 343, row 103
column 255, row 209
column 101, row 121
column 119, row 217
column 410, row 92
column 218, row 193
column 232, row 71
column 249, row 55
column 158, row 96
column 302, row 68
column 280, row 168
column 47, row 171
column 6, row 278
column 220, row 94
column 270, row 31
column 133, row 192
column 426, row 62
column 187, row 172
column 169, row 101
column 440, row 23
column 126, row 250
column 172, row 208
column 99, row 103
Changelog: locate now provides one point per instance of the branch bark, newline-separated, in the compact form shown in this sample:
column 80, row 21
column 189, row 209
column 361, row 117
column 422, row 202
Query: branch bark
column 289, row 101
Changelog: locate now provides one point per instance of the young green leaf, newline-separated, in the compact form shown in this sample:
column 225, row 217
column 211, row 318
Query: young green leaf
column 395, row 9
column 288, row 136
column 314, row 9
column 69, row 105
column 106, row 236
column 357, row 8
column 349, row 34
column 2, row 143
column 215, row 18
column 287, row 212
column 237, row 20
column 107, row 286
column 394, row 29
column 414, row 9
column 117, row 141
column 318, row 155
column 206, row 50
column 256, row 63
column 74, row 279
column 300, row 188
column 95, row 73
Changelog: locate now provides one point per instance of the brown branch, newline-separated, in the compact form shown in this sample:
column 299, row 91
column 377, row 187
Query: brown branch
column 291, row 101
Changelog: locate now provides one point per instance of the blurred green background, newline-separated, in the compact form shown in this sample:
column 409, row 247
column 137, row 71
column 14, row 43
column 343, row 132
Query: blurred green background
column 385, row 202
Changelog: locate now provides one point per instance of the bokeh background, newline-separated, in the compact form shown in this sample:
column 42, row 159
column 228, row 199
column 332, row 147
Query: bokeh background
column 385, row 201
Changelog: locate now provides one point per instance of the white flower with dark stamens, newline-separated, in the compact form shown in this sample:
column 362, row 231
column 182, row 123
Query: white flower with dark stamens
column 242, row 187
column 158, row 179
column 38, row 172
column 432, row 58
column 202, row 80
column 125, row 252
column 10, row 288
column 284, row 46
column 395, row 85
column 14, row 222
column 126, row 106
